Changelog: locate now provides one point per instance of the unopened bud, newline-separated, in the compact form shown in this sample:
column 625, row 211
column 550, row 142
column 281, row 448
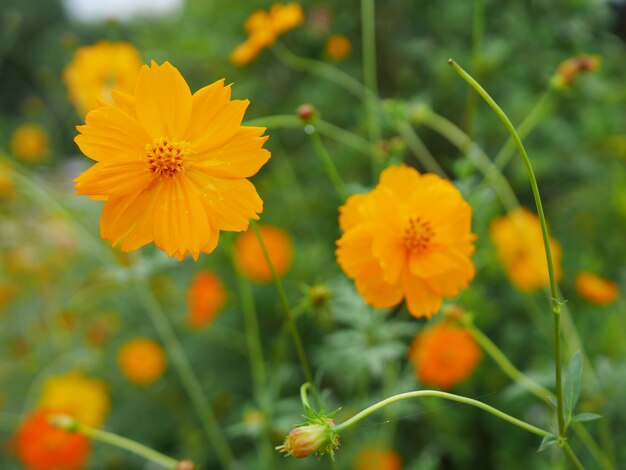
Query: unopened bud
column 62, row 421
column 319, row 295
column 306, row 112
column 185, row 465
column 567, row 73
column 303, row 441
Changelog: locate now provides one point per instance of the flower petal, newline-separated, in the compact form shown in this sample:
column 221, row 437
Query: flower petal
column 163, row 101
column 232, row 201
column 241, row 157
column 420, row 300
column 111, row 133
column 106, row 179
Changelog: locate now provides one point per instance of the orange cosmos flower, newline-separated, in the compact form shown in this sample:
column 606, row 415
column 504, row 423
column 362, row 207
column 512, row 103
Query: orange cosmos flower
column 30, row 143
column 410, row 238
column 172, row 166
column 595, row 289
column 264, row 27
column 338, row 47
column 206, row 298
column 42, row 446
column 519, row 243
column 251, row 260
column 142, row 361
column 444, row 355
column 74, row 394
column 378, row 459
column 99, row 69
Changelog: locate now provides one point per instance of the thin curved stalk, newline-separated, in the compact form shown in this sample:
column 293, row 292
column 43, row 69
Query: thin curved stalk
column 447, row 396
column 556, row 302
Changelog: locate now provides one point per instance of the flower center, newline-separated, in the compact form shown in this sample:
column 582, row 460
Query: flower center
column 165, row 157
column 417, row 234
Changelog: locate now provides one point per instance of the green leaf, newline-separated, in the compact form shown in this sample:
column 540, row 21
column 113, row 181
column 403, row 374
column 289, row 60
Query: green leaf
column 583, row 417
column 572, row 383
column 552, row 402
column 548, row 441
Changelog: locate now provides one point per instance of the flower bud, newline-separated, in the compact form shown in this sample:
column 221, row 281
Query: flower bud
column 306, row 112
column 303, row 441
column 567, row 73
column 185, row 465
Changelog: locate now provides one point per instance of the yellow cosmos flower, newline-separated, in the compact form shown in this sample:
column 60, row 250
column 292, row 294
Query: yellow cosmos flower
column 264, row 27
column 172, row 166
column 81, row 397
column 99, row 69
column 338, row 47
column 519, row 243
column 142, row 361
column 30, row 143
column 410, row 238
column 595, row 289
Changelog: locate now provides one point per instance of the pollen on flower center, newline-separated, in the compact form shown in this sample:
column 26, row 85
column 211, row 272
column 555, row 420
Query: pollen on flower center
column 165, row 157
column 417, row 235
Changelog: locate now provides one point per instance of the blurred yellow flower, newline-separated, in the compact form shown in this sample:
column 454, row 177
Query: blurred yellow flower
column 172, row 167
column 372, row 458
column 99, row 69
column 249, row 255
column 142, row 361
column 7, row 185
column 338, row 47
column 73, row 393
column 30, row 143
column 264, row 27
column 595, row 289
column 519, row 243
column 206, row 298
column 409, row 238
column 444, row 355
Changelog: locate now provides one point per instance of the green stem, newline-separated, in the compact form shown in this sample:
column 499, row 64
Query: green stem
column 507, row 367
column 556, row 303
column 319, row 68
column 186, row 374
column 447, row 396
column 419, row 150
column 71, row 425
column 465, row 144
column 303, row 396
column 295, row 334
column 368, row 17
column 570, row 453
column 255, row 355
column 478, row 32
column 289, row 121
column 526, row 127
column 329, row 165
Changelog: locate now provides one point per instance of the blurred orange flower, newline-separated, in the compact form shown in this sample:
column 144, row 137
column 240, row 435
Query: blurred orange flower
column 30, row 143
column 378, row 459
column 444, row 355
column 338, row 47
column 7, row 185
column 74, row 394
column 409, row 238
column 595, row 289
column 142, row 361
column 206, row 298
column 568, row 71
column 264, row 27
column 99, row 69
column 519, row 243
column 42, row 446
column 172, row 167
column 251, row 260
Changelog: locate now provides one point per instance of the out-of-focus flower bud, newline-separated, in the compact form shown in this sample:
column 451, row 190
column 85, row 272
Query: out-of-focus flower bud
column 317, row 437
column 306, row 112
column 567, row 73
